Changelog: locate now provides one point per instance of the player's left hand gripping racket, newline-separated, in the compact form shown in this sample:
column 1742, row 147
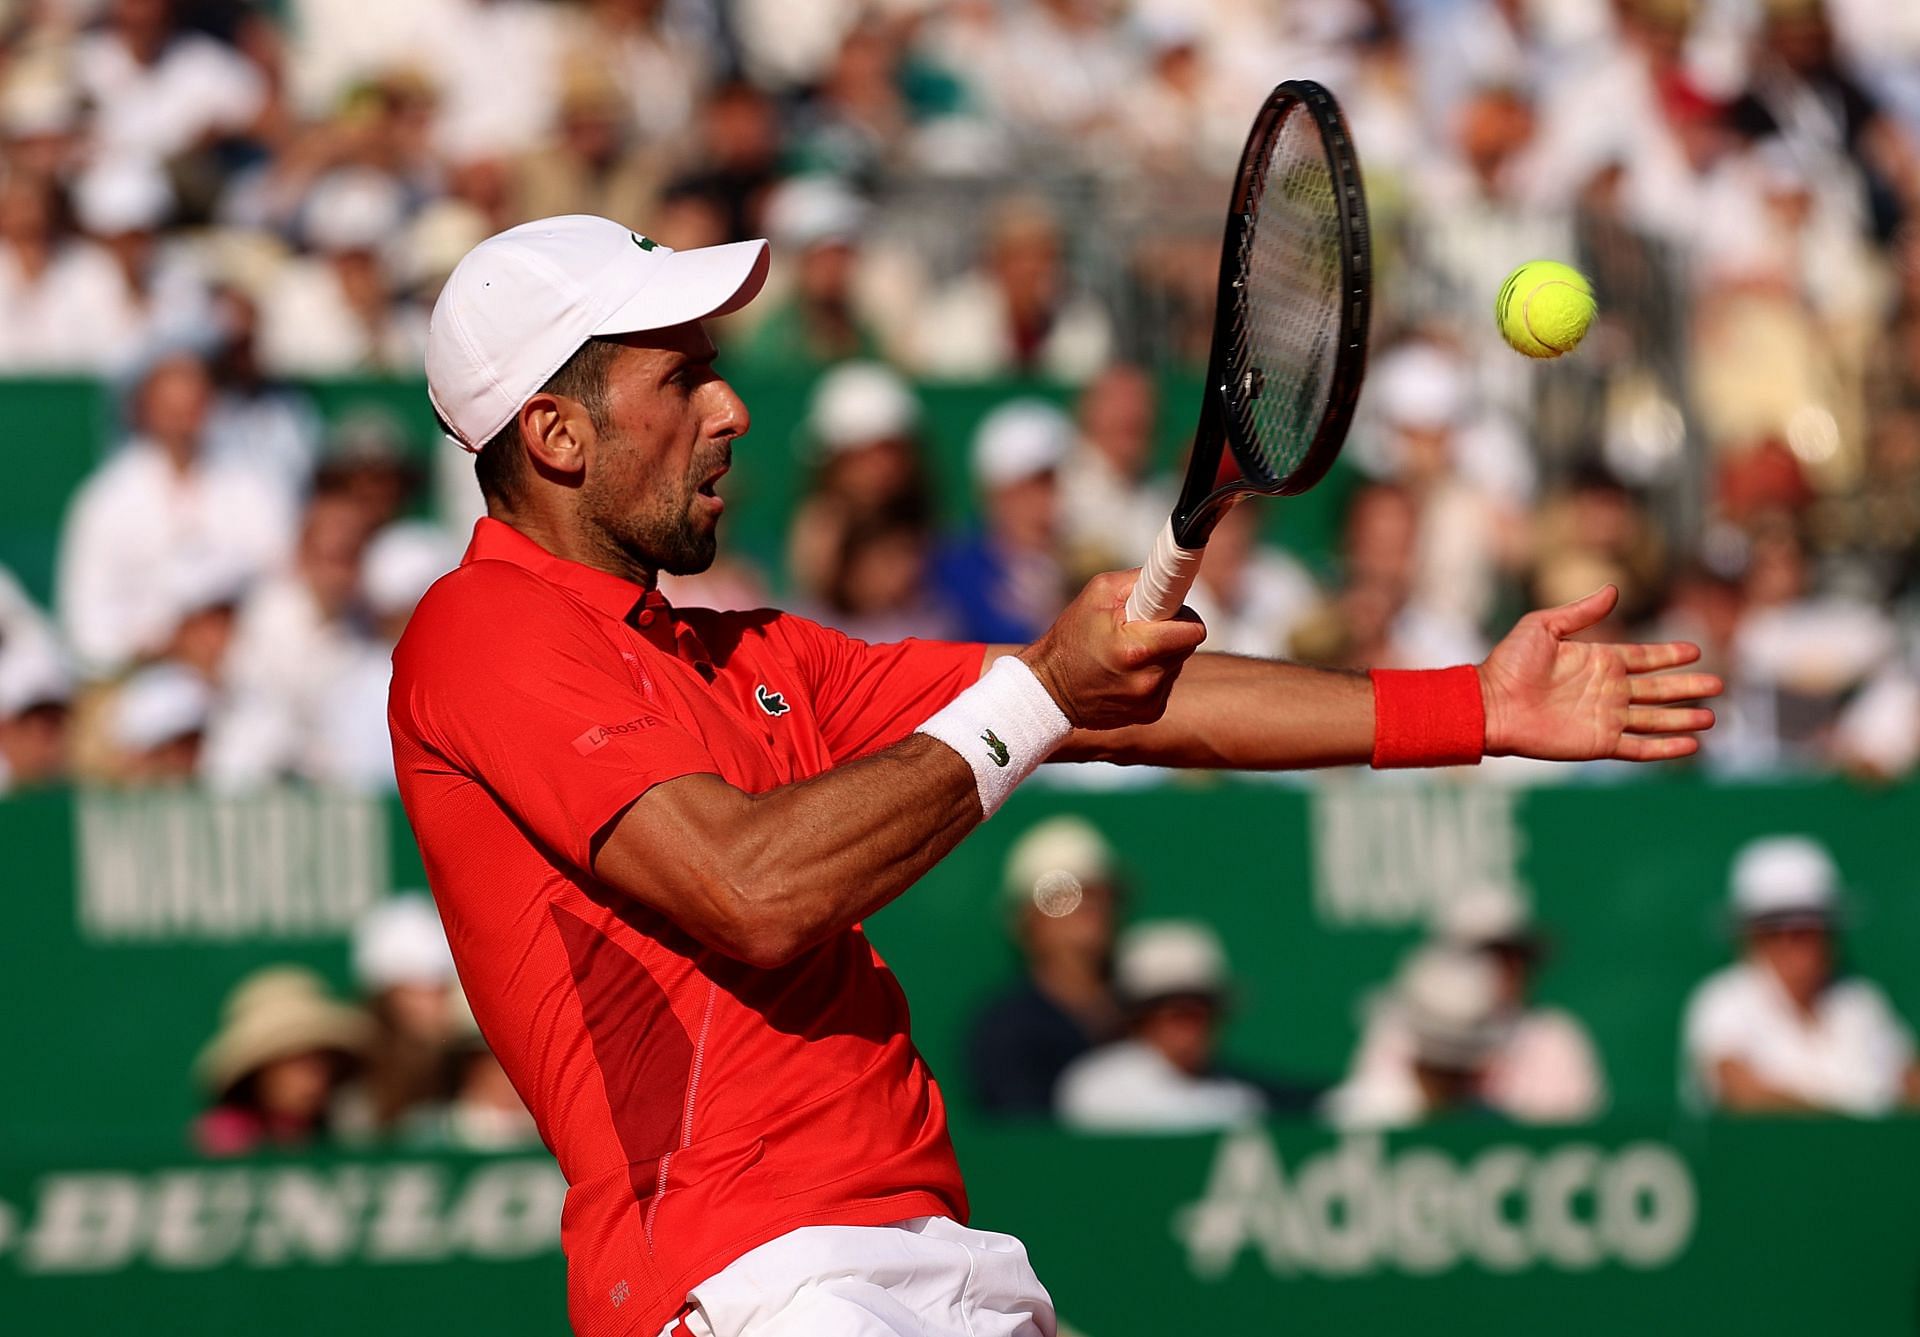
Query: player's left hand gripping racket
column 1289, row 332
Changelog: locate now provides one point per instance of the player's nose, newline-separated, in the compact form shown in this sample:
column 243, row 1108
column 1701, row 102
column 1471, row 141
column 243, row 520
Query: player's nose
column 727, row 415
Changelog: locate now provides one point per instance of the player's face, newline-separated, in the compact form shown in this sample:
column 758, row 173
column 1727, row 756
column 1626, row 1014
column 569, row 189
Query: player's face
column 671, row 426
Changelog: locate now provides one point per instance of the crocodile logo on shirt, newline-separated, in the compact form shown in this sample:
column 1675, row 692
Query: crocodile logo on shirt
column 995, row 748
column 644, row 243
column 772, row 702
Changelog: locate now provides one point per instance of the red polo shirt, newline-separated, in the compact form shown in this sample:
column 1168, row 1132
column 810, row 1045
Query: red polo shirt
column 699, row 1107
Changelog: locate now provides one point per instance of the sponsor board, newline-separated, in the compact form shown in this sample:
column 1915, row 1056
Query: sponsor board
column 171, row 865
column 198, row 1218
column 1357, row 1208
column 1390, row 856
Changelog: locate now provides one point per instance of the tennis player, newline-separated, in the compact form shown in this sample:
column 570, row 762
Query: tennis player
column 653, row 832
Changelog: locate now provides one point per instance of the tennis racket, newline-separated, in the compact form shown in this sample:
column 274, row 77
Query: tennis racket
column 1289, row 333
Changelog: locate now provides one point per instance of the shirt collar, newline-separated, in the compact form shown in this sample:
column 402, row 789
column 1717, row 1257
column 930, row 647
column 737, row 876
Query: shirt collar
column 497, row 541
column 646, row 611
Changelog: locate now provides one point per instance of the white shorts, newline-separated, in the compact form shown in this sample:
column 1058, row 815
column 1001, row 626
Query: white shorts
column 926, row 1277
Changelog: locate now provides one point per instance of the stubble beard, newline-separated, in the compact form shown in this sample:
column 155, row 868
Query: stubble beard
column 662, row 532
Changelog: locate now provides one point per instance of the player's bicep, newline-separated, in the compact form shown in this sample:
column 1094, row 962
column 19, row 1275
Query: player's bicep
column 675, row 850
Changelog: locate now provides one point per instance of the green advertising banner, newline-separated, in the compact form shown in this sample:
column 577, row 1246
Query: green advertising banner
column 1473, row 1231
column 134, row 913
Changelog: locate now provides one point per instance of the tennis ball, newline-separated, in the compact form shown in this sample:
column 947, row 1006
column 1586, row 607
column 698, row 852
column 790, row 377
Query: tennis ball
column 1544, row 308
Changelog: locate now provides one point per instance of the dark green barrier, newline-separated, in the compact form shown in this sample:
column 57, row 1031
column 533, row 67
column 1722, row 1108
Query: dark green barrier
column 1471, row 1231
column 132, row 915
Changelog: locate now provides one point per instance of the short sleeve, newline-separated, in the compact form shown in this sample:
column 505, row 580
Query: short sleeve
column 508, row 681
column 867, row 697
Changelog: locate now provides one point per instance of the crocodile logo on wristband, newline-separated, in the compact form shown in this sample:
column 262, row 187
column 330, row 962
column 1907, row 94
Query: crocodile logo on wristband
column 996, row 749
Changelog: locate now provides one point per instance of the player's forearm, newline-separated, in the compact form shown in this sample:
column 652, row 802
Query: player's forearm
column 763, row 877
column 1231, row 713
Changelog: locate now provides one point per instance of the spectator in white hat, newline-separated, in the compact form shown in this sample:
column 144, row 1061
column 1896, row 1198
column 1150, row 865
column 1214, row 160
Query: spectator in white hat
column 35, row 691
column 1544, row 1068
column 817, row 321
column 1783, row 1028
column 160, row 503
column 123, row 204
column 298, row 633
column 1172, row 978
column 1459, row 471
column 333, row 312
column 404, row 971
column 1447, row 1002
column 1006, row 581
column 63, row 304
column 863, row 427
column 353, row 748
column 258, row 420
column 157, row 722
column 1063, row 898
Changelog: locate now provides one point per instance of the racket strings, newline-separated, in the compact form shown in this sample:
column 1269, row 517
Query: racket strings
column 1286, row 328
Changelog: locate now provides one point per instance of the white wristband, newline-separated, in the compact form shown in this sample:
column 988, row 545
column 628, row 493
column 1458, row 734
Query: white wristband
column 1003, row 726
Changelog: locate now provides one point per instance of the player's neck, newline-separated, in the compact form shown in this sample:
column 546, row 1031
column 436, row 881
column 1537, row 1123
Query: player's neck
column 577, row 543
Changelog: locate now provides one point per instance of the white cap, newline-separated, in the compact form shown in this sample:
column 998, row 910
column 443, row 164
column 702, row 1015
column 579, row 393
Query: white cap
column 354, row 209
column 1785, row 878
column 158, row 705
column 1450, row 999
column 32, row 673
column 401, row 941
column 1483, row 915
column 121, row 195
column 808, row 210
column 1169, row 956
column 1054, row 860
column 201, row 582
column 1419, row 386
column 1019, row 440
column 402, row 561
column 523, row 301
column 858, row 403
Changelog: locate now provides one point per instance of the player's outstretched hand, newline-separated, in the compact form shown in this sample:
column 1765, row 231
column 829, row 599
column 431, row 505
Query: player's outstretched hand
column 1559, row 699
column 1105, row 671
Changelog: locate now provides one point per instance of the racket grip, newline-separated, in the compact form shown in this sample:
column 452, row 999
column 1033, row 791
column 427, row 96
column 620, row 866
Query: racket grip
column 1164, row 579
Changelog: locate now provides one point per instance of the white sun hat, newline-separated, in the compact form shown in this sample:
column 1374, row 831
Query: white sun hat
column 1785, row 879
column 158, row 705
column 1168, row 958
column 1021, row 440
column 523, row 301
column 859, row 403
column 400, row 941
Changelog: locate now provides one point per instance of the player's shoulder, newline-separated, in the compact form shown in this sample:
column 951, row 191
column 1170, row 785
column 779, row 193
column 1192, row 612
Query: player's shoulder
column 486, row 605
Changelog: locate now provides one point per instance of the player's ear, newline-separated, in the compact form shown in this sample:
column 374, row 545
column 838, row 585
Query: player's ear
column 557, row 433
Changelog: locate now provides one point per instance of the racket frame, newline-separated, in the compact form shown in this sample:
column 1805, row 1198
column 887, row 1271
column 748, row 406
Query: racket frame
column 1209, row 489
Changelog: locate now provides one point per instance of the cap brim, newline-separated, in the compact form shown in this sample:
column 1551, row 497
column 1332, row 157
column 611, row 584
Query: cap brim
column 693, row 285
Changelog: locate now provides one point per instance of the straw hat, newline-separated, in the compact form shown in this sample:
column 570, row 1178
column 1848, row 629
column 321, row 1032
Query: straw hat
column 273, row 1014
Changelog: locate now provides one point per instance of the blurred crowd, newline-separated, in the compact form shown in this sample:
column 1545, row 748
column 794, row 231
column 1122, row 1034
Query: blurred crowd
column 207, row 203
column 290, row 1065
column 1117, row 1026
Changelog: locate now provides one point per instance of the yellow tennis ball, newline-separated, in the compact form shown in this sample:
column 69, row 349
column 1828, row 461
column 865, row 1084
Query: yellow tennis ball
column 1544, row 308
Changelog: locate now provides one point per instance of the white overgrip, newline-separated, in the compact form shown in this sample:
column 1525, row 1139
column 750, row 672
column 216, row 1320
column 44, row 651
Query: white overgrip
column 1164, row 580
